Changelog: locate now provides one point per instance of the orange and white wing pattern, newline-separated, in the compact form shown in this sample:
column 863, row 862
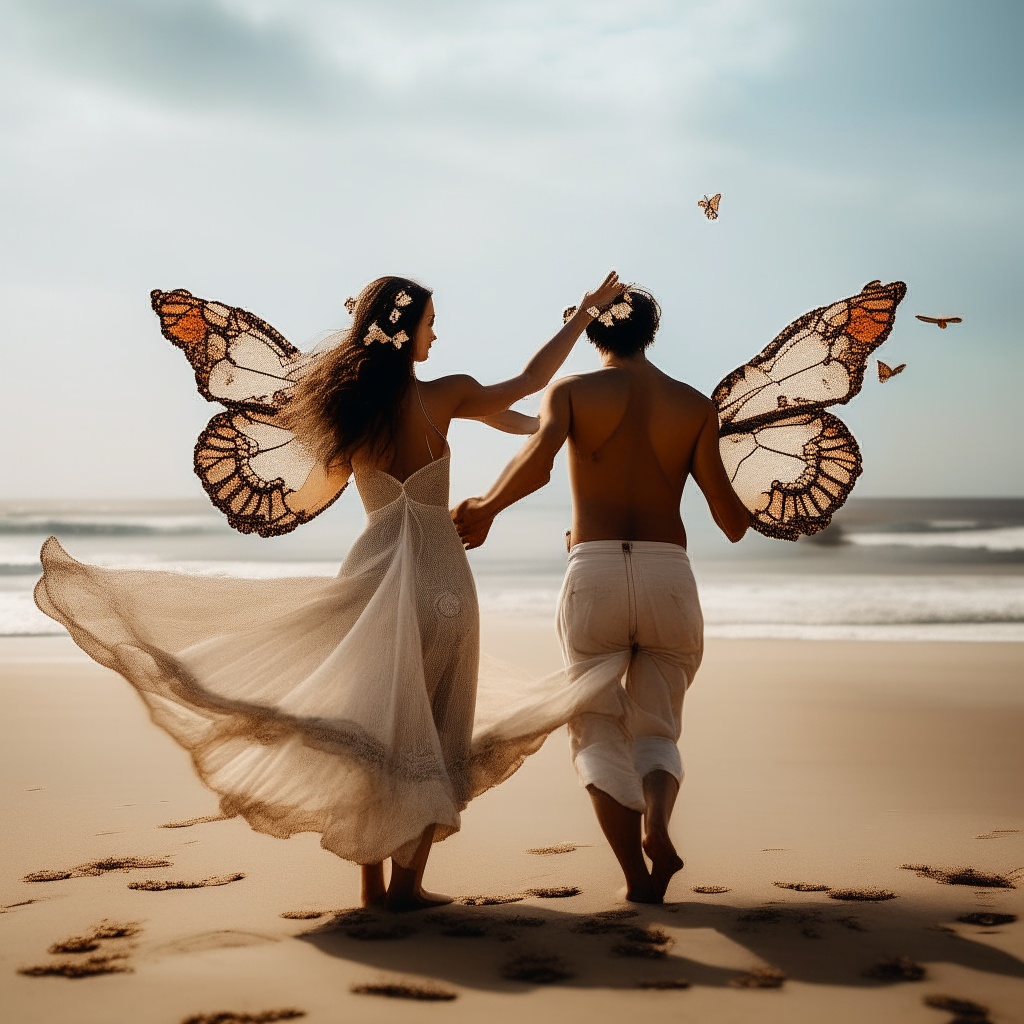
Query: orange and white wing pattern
column 255, row 472
column 239, row 359
column 260, row 476
column 792, row 464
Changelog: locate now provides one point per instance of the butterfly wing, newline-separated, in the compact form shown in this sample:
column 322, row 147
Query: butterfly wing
column 792, row 463
column 260, row 476
column 885, row 371
column 792, row 473
column 715, row 200
column 239, row 359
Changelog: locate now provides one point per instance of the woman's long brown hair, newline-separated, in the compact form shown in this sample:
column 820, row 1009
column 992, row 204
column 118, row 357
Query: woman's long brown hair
column 352, row 399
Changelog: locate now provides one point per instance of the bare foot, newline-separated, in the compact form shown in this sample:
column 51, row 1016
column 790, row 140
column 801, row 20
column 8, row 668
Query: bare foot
column 401, row 902
column 374, row 893
column 641, row 892
column 665, row 862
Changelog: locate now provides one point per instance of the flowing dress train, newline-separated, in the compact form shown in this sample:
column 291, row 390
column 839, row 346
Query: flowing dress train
column 345, row 706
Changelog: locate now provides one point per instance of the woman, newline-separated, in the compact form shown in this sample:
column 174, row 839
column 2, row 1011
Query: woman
column 343, row 706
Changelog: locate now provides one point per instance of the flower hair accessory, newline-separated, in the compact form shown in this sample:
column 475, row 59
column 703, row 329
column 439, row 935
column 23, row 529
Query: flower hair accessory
column 402, row 299
column 376, row 334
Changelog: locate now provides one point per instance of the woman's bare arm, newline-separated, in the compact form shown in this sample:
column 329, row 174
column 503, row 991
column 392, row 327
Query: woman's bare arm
column 472, row 400
column 511, row 422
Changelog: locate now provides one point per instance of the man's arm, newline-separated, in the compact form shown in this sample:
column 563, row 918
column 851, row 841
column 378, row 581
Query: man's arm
column 529, row 470
column 731, row 515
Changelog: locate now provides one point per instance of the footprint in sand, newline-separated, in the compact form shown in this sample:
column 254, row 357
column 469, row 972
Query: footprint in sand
column 898, row 968
column 999, row 833
column 302, row 915
column 556, row 893
column 227, row 1017
column 538, row 968
column 206, row 941
column 964, row 876
column 406, row 990
column 803, row 886
column 98, row 867
column 710, row 890
column 200, row 883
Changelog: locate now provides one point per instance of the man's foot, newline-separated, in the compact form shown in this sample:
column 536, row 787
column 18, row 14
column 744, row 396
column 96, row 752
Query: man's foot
column 641, row 892
column 402, row 902
column 665, row 862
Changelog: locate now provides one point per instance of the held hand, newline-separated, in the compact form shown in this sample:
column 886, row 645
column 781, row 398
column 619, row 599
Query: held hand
column 471, row 524
column 606, row 292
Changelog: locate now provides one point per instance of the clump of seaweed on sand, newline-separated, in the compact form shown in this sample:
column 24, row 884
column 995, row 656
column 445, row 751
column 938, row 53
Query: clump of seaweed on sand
column 231, row 1017
column 548, row 851
column 406, row 990
column 98, row 867
column 115, row 963
column 760, row 977
column 104, row 963
column 155, row 885
column 967, row 1011
column 986, row 919
column 898, row 968
column 963, row 876
column 862, row 895
column 189, row 822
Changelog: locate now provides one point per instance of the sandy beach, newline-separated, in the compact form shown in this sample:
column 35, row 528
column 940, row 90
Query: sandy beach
column 826, row 764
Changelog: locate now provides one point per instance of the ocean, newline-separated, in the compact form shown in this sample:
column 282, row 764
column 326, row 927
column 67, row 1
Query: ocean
column 887, row 569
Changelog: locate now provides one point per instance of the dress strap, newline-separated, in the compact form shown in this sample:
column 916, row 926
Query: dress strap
column 423, row 409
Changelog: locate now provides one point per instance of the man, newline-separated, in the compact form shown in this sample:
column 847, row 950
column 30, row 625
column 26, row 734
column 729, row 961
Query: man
column 634, row 434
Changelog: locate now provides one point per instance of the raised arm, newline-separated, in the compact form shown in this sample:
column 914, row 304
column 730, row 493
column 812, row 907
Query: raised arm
column 727, row 510
column 472, row 400
column 529, row 470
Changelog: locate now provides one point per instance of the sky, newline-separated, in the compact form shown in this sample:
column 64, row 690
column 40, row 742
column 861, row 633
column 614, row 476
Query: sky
column 278, row 154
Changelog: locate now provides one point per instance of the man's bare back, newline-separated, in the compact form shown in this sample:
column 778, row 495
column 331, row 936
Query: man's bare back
column 634, row 434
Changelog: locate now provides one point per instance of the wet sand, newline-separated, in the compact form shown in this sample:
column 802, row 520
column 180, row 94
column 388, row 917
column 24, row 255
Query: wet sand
column 823, row 765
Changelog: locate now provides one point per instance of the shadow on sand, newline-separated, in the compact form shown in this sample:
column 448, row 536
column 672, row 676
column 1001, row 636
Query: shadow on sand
column 813, row 940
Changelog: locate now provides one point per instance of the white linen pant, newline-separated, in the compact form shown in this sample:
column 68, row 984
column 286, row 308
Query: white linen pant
column 640, row 597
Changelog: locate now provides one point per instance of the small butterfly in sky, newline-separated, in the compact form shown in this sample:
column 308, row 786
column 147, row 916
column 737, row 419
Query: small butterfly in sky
column 940, row 320
column 710, row 206
column 885, row 372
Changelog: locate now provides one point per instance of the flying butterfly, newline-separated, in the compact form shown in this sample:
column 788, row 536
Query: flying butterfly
column 940, row 320
column 710, row 206
column 255, row 471
column 885, row 371
column 792, row 463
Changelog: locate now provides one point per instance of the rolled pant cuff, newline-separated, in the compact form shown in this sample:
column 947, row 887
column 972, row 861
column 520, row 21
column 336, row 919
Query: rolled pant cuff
column 605, row 765
column 657, row 753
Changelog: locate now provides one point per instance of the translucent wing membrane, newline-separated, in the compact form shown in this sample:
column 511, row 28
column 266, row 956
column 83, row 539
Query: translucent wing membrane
column 256, row 473
column 239, row 359
column 260, row 476
column 792, row 463
column 794, row 473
